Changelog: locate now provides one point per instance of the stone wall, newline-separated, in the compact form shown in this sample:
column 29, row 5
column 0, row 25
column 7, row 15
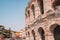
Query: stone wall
column 42, row 26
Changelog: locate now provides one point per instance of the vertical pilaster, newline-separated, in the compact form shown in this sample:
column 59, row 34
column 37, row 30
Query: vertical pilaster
column 49, row 36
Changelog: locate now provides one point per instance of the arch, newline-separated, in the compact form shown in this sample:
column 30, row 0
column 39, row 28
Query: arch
column 33, row 33
column 40, row 3
column 28, row 13
column 56, row 31
column 33, row 9
column 56, row 3
column 52, row 27
column 41, row 32
column 28, row 34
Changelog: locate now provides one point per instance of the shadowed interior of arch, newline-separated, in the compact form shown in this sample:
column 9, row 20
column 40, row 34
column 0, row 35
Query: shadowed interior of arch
column 41, row 32
column 33, row 10
column 56, row 3
column 40, row 3
column 33, row 33
column 56, row 32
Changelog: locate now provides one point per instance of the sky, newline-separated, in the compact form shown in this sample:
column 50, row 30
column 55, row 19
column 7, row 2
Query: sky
column 12, row 14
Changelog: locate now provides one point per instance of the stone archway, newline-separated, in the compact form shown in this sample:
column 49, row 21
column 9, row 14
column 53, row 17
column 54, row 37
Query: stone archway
column 56, row 32
column 29, row 35
column 55, row 29
column 33, row 10
column 40, row 3
column 29, row 13
column 33, row 33
column 41, row 32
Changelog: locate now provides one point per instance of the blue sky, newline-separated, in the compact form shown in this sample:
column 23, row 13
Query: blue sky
column 12, row 14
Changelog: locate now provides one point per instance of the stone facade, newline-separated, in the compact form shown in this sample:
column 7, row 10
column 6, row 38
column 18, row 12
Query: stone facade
column 23, row 34
column 43, row 20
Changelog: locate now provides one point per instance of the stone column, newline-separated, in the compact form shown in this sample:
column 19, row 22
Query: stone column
column 31, row 36
column 49, row 36
column 27, row 38
column 38, row 37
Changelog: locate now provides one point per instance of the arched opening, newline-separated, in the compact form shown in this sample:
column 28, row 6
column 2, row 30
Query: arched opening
column 56, row 3
column 56, row 32
column 29, row 35
column 40, row 3
column 33, row 10
column 29, row 13
column 41, row 32
column 33, row 33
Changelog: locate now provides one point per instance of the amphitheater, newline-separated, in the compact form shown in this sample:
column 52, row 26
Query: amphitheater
column 42, row 20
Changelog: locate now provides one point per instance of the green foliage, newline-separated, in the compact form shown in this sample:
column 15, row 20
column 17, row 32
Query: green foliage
column 6, row 33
